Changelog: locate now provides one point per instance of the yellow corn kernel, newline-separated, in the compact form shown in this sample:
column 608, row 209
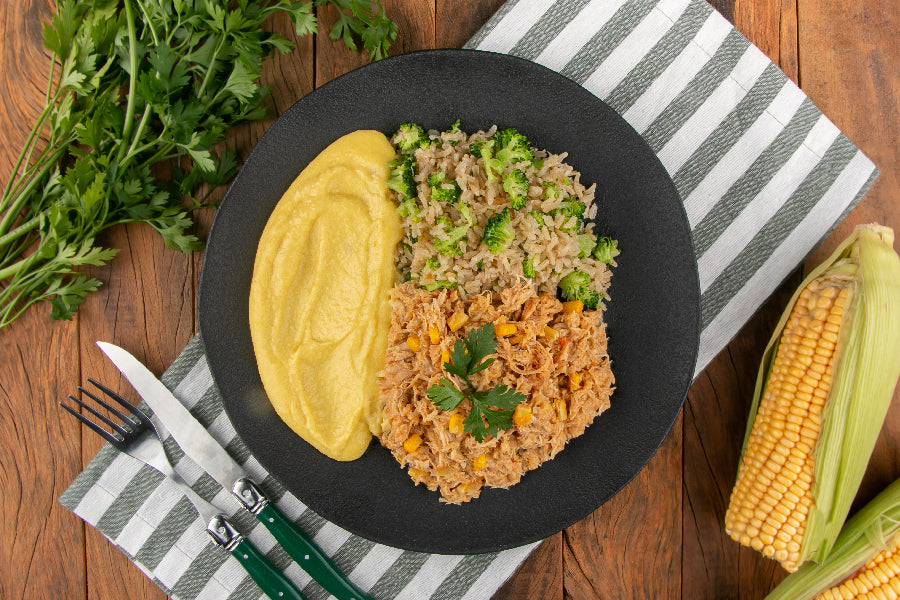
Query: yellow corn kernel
column 413, row 343
column 504, row 329
column 434, row 335
column 574, row 381
column 412, row 443
column 516, row 339
column 549, row 333
column 572, row 306
column 562, row 410
column 522, row 415
column 783, row 465
column 445, row 358
column 416, row 473
column 480, row 462
column 456, row 423
column 457, row 320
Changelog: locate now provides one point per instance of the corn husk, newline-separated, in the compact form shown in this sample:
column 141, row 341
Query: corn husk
column 866, row 372
column 875, row 528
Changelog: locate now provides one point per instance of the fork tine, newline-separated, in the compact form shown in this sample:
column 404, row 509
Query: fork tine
column 118, row 443
column 134, row 410
column 105, row 405
column 118, row 428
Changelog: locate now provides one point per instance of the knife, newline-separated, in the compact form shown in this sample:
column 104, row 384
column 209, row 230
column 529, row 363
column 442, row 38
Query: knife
column 203, row 449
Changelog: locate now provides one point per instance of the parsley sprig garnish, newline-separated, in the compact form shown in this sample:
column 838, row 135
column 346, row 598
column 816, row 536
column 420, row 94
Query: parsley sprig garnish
column 140, row 96
column 492, row 410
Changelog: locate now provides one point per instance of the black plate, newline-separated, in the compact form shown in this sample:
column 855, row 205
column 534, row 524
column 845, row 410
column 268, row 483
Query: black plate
column 653, row 317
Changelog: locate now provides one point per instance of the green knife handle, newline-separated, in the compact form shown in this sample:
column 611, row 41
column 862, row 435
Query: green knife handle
column 310, row 557
column 297, row 543
column 270, row 580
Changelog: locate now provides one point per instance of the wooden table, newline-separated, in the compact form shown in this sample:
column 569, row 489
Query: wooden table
column 661, row 537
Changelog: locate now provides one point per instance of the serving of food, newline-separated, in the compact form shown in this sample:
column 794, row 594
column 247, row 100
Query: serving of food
column 506, row 275
column 482, row 372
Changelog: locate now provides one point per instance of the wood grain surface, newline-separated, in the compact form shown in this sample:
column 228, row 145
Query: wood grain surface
column 660, row 538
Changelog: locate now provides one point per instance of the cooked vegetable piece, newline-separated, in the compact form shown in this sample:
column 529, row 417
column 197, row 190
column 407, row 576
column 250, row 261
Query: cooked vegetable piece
column 865, row 558
column 409, row 136
column 498, row 233
column 515, row 184
column 402, row 176
column 576, row 286
column 606, row 250
column 825, row 383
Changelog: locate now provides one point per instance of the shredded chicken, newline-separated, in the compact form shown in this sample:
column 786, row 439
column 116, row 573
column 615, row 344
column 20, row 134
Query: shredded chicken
column 564, row 374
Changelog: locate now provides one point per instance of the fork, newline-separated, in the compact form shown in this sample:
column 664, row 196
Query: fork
column 138, row 437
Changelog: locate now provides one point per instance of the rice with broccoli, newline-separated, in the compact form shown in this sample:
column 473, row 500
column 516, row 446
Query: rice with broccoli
column 483, row 211
column 497, row 350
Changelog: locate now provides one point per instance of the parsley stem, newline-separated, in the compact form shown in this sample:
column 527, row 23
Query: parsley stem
column 22, row 196
column 18, row 232
column 131, row 153
column 26, row 151
column 132, row 77
column 211, row 69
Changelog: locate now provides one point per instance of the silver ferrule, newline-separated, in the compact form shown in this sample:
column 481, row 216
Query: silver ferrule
column 223, row 533
column 249, row 495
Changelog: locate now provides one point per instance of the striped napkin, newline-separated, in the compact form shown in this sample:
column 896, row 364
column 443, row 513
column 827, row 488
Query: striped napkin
column 764, row 177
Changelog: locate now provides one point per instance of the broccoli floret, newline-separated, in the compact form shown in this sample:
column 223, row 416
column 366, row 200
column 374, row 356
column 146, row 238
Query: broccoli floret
column 402, row 176
column 485, row 151
column 433, row 263
column 528, row 267
column 550, row 190
column 440, row 284
column 571, row 208
column 606, row 250
column 401, row 180
column 408, row 137
column 586, row 243
column 538, row 218
column 454, row 236
column 515, row 184
column 454, row 128
column 409, row 209
column 442, row 190
column 480, row 265
column 576, row 286
column 512, row 147
column 498, row 233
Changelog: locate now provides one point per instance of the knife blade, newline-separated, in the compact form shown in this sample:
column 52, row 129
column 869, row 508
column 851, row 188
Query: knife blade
column 203, row 449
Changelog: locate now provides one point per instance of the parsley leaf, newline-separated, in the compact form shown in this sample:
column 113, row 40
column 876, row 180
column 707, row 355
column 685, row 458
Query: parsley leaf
column 492, row 409
column 444, row 395
column 139, row 90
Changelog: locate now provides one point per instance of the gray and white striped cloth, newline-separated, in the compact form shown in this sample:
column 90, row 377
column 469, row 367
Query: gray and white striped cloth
column 764, row 177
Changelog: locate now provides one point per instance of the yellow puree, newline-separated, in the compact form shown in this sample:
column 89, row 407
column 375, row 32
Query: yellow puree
column 319, row 299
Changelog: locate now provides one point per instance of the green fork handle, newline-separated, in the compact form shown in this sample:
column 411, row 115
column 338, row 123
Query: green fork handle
column 270, row 580
column 308, row 555
column 296, row 542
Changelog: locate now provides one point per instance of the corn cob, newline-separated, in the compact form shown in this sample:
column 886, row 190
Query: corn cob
column 865, row 560
column 824, row 386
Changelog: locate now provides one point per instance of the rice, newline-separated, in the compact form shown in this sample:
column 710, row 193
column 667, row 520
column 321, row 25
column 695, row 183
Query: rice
column 557, row 358
column 551, row 246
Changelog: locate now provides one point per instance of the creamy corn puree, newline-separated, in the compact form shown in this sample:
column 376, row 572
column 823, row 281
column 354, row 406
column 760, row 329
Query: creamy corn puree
column 320, row 295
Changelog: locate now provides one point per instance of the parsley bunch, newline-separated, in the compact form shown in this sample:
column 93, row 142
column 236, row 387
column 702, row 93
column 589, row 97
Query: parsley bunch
column 134, row 84
column 492, row 410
